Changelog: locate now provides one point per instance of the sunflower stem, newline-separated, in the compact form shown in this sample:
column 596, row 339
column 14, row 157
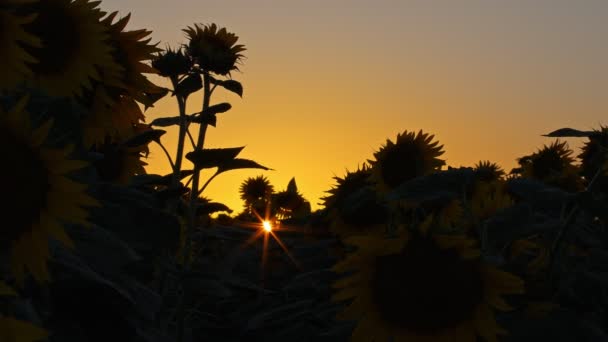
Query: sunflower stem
column 194, row 193
column 177, row 167
column 168, row 156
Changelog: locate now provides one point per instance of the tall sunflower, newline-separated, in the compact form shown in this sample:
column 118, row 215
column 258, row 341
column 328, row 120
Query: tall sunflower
column 410, row 156
column 74, row 45
column 14, row 67
column 553, row 165
column 43, row 197
column 422, row 286
column 214, row 48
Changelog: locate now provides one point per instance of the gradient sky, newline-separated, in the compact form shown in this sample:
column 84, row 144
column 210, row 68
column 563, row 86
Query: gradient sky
column 327, row 82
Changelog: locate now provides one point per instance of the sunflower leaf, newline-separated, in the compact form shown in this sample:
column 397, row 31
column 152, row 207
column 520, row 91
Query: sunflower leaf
column 292, row 187
column 240, row 163
column 217, row 109
column 151, row 98
column 213, row 157
column 568, row 133
column 165, row 121
column 211, row 207
column 205, row 118
column 233, row 86
column 189, row 85
column 145, row 138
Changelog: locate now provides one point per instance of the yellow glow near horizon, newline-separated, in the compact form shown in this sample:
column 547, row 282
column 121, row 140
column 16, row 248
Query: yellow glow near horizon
column 486, row 78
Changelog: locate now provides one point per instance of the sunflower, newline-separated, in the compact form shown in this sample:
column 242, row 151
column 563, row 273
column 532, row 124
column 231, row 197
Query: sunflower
column 131, row 50
column 412, row 155
column 109, row 118
column 488, row 198
column 488, row 171
column 422, row 286
column 172, row 63
column 43, row 197
column 214, row 49
column 119, row 162
column 74, row 45
column 351, row 183
column 254, row 189
column 14, row 57
column 553, row 165
column 595, row 155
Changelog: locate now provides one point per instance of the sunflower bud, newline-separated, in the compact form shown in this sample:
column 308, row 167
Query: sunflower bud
column 213, row 49
column 171, row 63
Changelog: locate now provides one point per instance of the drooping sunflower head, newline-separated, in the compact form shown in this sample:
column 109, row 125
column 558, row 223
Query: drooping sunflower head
column 172, row 63
column 488, row 198
column 488, row 171
column 422, row 287
column 594, row 153
column 352, row 182
column 412, row 155
column 131, row 51
column 42, row 196
column 74, row 45
column 14, row 67
column 254, row 189
column 120, row 162
column 552, row 164
column 213, row 48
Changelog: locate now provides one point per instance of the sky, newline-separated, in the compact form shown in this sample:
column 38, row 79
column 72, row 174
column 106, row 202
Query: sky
column 327, row 82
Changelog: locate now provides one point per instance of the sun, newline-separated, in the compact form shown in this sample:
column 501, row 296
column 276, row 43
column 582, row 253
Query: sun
column 267, row 226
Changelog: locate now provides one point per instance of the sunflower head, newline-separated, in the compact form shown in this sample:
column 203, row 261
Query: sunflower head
column 213, row 48
column 422, row 286
column 172, row 63
column 594, row 154
column 488, row 171
column 42, row 196
column 488, row 198
column 131, row 51
column 410, row 156
column 552, row 164
column 119, row 162
column 73, row 47
column 254, row 189
column 359, row 213
column 351, row 183
column 14, row 67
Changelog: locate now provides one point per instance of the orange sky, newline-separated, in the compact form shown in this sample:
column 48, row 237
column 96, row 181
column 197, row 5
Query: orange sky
column 327, row 84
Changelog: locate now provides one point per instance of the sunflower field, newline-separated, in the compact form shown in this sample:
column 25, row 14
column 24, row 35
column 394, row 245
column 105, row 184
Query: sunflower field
column 405, row 248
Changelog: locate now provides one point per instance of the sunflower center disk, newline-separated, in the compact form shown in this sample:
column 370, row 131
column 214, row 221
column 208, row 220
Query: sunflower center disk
column 425, row 289
column 60, row 39
column 26, row 182
column 402, row 163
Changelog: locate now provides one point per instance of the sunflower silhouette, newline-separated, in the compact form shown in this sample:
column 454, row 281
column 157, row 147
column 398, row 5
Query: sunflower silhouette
column 422, row 286
column 410, row 156
column 214, row 48
column 74, row 45
column 553, row 165
column 44, row 197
